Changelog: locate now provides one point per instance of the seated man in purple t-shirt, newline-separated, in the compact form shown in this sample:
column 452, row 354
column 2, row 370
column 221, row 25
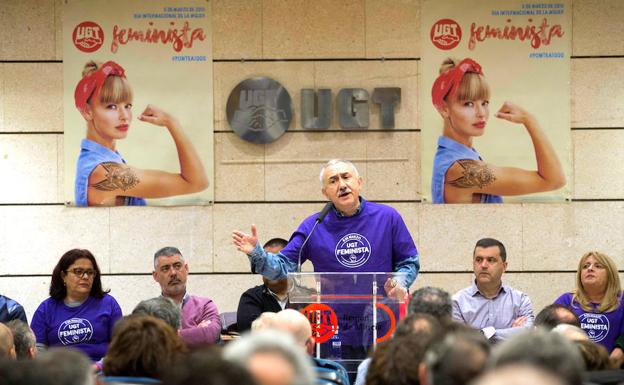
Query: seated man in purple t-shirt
column 497, row 309
column 201, row 323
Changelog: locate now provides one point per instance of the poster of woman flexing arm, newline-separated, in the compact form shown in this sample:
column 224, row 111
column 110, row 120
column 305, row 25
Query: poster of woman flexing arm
column 137, row 103
column 495, row 101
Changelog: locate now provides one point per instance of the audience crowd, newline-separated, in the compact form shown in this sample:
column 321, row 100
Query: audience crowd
column 485, row 334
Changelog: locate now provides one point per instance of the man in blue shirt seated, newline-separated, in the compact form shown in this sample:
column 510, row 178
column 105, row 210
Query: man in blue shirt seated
column 497, row 309
column 10, row 310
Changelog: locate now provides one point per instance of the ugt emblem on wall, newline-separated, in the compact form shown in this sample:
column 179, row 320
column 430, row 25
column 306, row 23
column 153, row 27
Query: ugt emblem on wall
column 259, row 110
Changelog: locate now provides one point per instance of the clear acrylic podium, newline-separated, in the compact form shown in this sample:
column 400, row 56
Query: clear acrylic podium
column 350, row 313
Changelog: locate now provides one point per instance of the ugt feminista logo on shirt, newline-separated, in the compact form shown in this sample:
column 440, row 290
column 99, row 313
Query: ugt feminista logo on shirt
column 595, row 325
column 88, row 36
column 74, row 331
column 445, row 34
column 353, row 250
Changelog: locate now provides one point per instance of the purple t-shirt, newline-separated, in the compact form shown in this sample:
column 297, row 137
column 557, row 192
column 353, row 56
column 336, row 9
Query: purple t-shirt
column 373, row 240
column 87, row 327
column 602, row 328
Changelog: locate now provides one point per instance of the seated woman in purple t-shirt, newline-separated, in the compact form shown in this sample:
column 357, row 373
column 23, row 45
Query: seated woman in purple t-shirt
column 598, row 302
column 78, row 314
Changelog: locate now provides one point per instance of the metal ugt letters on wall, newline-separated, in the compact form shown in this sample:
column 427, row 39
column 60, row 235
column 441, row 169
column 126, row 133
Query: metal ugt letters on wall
column 260, row 110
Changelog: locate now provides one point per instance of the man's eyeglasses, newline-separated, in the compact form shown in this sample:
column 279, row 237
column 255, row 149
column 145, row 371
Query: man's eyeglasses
column 79, row 272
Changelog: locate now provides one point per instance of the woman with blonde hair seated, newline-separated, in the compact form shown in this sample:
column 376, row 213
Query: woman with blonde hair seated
column 598, row 302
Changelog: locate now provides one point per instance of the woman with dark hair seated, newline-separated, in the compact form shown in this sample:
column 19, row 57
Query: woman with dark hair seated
column 142, row 349
column 78, row 314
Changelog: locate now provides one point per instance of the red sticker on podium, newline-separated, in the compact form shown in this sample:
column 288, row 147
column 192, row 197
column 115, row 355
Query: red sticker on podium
column 323, row 321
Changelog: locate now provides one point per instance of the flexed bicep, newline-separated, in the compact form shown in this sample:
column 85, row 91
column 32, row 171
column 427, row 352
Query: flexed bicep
column 473, row 174
column 111, row 181
column 117, row 176
column 478, row 177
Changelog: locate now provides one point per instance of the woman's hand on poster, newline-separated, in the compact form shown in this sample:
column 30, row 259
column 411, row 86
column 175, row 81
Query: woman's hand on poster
column 156, row 116
column 513, row 113
column 245, row 242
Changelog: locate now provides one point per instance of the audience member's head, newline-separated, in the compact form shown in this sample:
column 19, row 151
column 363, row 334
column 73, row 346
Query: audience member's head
column 272, row 357
column 160, row 307
column 58, row 286
column 171, row 272
column 263, row 322
column 23, row 339
column 277, row 286
column 571, row 332
column 519, row 374
column 395, row 362
column 18, row 373
column 431, row 300
column 65, row 366
column 457, row 359
column 274, row 245
column 612, row 287
column 546, row 350
column 297, row 325
column 484, row 243
column 207, row 367
column 417, row 323
column 555, row 314
column 7, row 347
column 595, row 356
column 56, row 366
column 142, row 346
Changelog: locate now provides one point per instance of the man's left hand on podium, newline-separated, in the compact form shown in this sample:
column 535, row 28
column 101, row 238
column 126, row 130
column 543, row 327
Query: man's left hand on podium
column 395, row 290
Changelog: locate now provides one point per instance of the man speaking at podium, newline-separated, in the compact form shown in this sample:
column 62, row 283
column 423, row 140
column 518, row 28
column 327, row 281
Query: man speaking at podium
column 349, row 235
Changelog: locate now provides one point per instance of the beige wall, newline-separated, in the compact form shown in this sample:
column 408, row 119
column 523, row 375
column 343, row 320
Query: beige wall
column 276, row 186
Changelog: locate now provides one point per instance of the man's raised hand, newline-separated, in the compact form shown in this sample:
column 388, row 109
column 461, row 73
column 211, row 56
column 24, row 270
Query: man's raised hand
column 245, row 242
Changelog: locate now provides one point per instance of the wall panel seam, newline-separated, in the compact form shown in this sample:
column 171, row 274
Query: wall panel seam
column 596, row 56
column 244, row 273
column 338, row 59
column 26, row 61
column 56, row 61
column 320, row 201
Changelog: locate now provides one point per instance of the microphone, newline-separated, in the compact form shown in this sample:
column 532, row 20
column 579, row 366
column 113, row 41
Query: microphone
column 318, row 220
column 323, row 213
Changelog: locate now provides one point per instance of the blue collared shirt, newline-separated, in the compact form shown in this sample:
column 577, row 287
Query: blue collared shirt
column 497, row 314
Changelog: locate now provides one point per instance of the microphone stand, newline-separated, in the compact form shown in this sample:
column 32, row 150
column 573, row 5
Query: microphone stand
column 318, row 220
